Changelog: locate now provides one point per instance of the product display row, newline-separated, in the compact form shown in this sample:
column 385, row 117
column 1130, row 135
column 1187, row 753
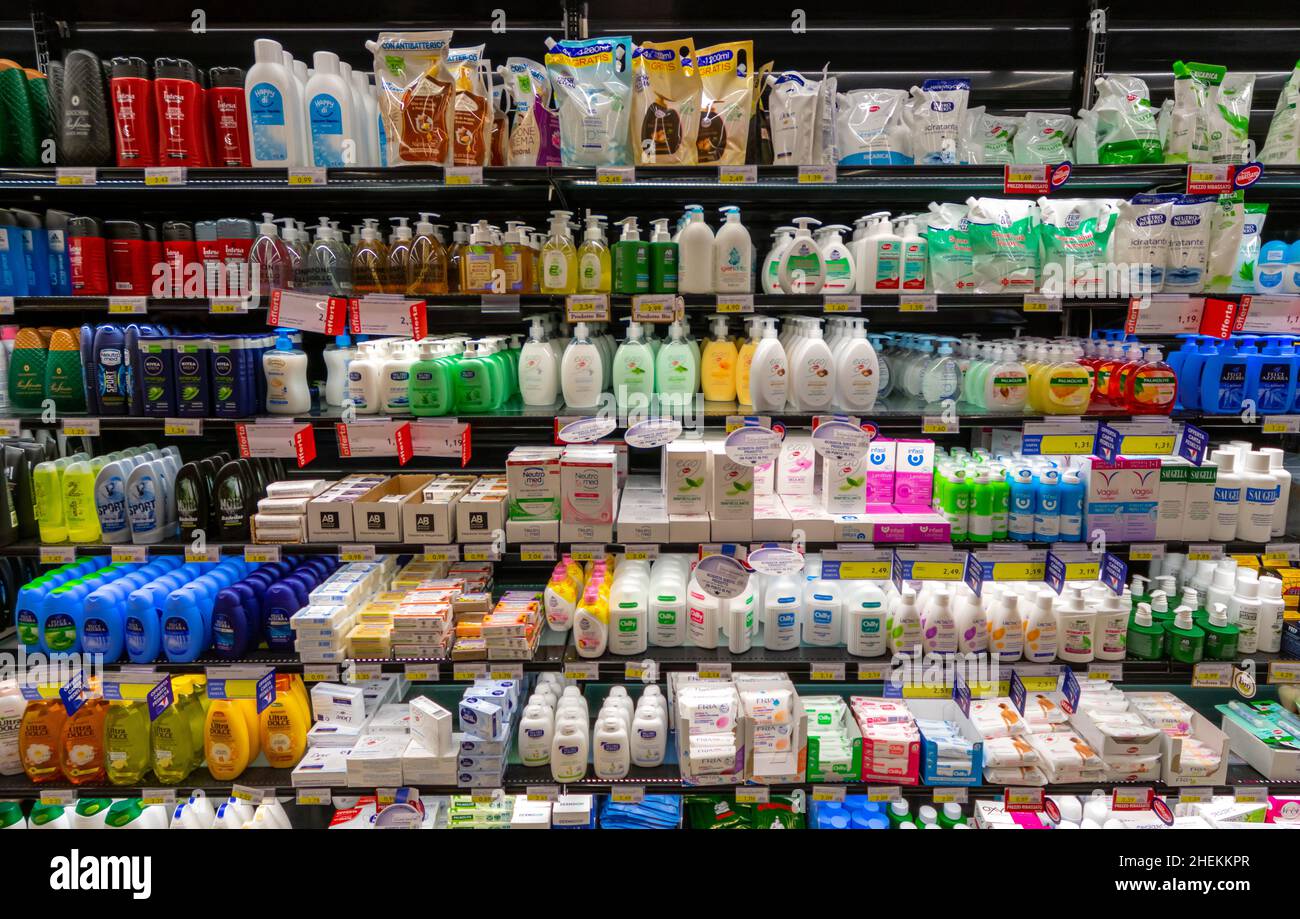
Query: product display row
column 595, row 102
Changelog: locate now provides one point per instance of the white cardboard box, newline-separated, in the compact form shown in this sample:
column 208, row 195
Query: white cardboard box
column 1276, row 765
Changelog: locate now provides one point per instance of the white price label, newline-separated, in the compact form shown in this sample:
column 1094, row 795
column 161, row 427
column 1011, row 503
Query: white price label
column 206, row 556
column 828, row 793
column 816, row 175
column 918, row 303
column 586, row 308
column 753, row 794
column 128, row 306
column 1041, row 303
column 442, row 554
column 363, row 672
column 227, row 306
column 1209, row 675
column 542, row 792
column 506, row 672
column 470, row 672
column 1112, row 672
column 58, row 555
column 641, row 553
column 74, row 176
column 382, row 314
column 164, row 176
column 832, row 673
column 944, row 796
column 314, row 797
column 422, row 673
column 654, row 307
column 357, row 553
column 615, row 175
column 537, row 553
column 842, row 303
column 871, row 672
column 80, row 427
column 735, row 303
column 737, row 175
column 320, row 673
column 1146, row 551
column 155, row 796
column 627, row 794
column 1204, row 552
column 713, row 671
column 248, row 794
column 575, row 671
column 882, row 794
column 934, row 424
column 129, row 555
column 1281, row 424
column 6, row 306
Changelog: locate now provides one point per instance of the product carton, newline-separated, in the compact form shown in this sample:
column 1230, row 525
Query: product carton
column 807, row 514
column 772, row 522
column 422, row 766
column 1171, row 749
column 818, row 770
column 533, row 474
column 480, row 514
column 933, row 770
column 796, row 467
column 431, row 724
column 546, row 531
column 844, row 486
column 1172, row 501
column 732, row 494
column 775, row 737
column 431, row 517
column 688, row 527
column 881, row 456
column 1122, row 497
column 377, row 515
column 913, row 472
column 1107, row 746
column 321, row 767
column 329, row 514
column 589, row 485
column 376, row 760
column 1274, row 763
column 642, row 517
column 1199, row 501
column 686, row 467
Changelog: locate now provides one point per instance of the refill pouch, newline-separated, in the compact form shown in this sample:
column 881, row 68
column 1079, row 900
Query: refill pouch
column 824, row 150
column 985, row 138
column 1193, row 84
column 948, row 236
column 1225, row 122
column 792, row 110
column 525, row 145
column 726, row 102
column 1243, row 267
column 592, row 82
column 934, row 115
column 1085, row 137
column 471, row 118
column 1044, row 137
column 869, row 128
column 1004, row 245
column 1076, row 233
column 665, row 103
column 1189, row 243
column 1282, row 146
column 415, row 98
column 1125, row 122
column 1226, row 224
column 1140, row 245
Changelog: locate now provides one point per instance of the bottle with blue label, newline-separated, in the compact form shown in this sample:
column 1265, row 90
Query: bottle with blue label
column 1020, row 525
column 1047, row 505
column 30, row 603
column 56, row 244
column 104, row 620
column 1071, row 501
column 143, row 620
column 1178, row 359
column 61, row 613
column 329, row 113
column 1223, row 381
column 1270, row 270
column 110, row 370
column 1271, row 372
column 274, row 109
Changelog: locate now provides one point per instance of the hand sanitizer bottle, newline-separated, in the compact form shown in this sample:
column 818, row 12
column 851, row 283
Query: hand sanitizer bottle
column 802, row 270
column 732, row 258
column 841, row 272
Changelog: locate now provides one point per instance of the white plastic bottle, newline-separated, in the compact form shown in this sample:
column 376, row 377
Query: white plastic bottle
column 568, row 753
column 1225, row 512
column 649, row 738
column 539, row 374
column 782, row 600
column 628, row 602
column 837, row 261
column 702, row 611
column 367, row 114
column 287, row 392
column 905, row 623
column 916, row 259
column 395, row 379
column 823, row 623
column 801, row 270
column 667, row 599
column 769, row 372
column 1260, row 490
column 536, row 728
column 1007, row 629
column 1271, row 612
column 1041, row 631
column 275, row 112
column 1078, row 629
column 771, row 267
column 695, row 245
column 1275, row 467
column 581, row 370
column 732, row 255
column 938, row 627
column 330, row 114
column 864, row 619
column 740, row 622
column 812, row 372
column 611, row 756
column 364, row 380
column 857, row 370
column 878, row 257
column 337, row 359
column 1111, row 642
column 972, row 623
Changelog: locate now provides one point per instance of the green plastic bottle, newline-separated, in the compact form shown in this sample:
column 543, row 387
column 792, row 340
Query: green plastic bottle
column 47, row 482
column 92, row 807
column 631, row 261
column 899, row 812
column 1185, row 639
column 171, row 740
column 663, row 259
column 957, row 504
column 1220, row 635
column 473, row 381
column 1137, row 586
column 1146, row 638
column 951, row 815
column 980, row 526
column 1160, row 609
column 1001, row 498
column 64, row 382
column 11, row 815
column 126, row 742
column 431, row 387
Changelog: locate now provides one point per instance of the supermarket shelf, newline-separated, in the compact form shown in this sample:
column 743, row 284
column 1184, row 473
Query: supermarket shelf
column 665, row 779
column 650, row 178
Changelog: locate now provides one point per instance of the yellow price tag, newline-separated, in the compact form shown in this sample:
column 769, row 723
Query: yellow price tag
column 927, row 692
column 937, row 571
column 870, row 673
column 1082, row 571
column 533, row 555
column 1098, row 675
column 1067, row 444
column 311, row 797
column 1018, row 571
column 1037, row 683
column 713, row 674
column 457, row 179
column 1147, row 443
column 827, row 673
column 864, row 571
column 157, row 178
column 70, row 180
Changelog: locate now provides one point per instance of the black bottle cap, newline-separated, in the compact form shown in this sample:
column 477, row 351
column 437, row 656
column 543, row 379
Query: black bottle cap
column 227, row 77
column 170, row 68
column 84, row 226
column 123, row 67
column 123, row 229
column 177, row 231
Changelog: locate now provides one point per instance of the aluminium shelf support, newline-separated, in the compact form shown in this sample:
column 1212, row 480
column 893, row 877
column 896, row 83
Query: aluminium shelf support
column 1094, row 64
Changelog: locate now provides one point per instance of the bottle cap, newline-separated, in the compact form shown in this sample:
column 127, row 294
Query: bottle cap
column 1143, row 615
column 1219, row 615
column 1183, row 617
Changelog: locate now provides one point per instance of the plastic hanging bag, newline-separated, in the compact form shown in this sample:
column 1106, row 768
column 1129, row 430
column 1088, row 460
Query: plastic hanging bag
column 1252, row 234
column 948, row 237
column 471, row 135
column 665, row 103
column 1140, row 245
column 1043, row 137
column 1189, row 243
column 985, row 138
column 415, row 98
column 1225, row 121
column 1004, row 242
column 1193, row 84
column 592, row 82
column 934, row 115
column 525, row 143
column 792, row 108
column 1226, row 226
column 1282, row 146
column 1126, row 123
column 825, row 150
column 726, row 102
column 869, row 128
column 1085, row 138
column 1075, row 234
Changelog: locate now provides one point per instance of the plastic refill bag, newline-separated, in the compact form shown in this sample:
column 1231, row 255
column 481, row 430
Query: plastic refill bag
column 792, row 108
column 1189, row 243
column 948, row 237
column 471, row 133
column 1085, row 138
column 1226, row 225
column 592, row 82
column 1075, row 234
column 1004, row 243
column 934, row 115
column 665, row 103
column 1225, row 123
column 986, row 138
column 726, row 102
column 825, row 151
column 415, row 98
column 1193, row 84
column 1243, row 267
column 869, row 128
column 1126, row 123
column 1140, row 245
column 1282, row 146
column 525, row 145
column 1043, row 137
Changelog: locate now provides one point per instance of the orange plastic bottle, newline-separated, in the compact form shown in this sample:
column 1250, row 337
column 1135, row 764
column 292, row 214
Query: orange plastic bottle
column 1152, row 387
column 81, row 754
column 1108, row 361
column 40, row 739
column 1124, row 367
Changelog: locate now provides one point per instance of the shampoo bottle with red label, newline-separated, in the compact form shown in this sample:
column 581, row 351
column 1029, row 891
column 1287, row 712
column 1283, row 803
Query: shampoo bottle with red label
column 178, row 97
column 135, row 125
column 228, row 117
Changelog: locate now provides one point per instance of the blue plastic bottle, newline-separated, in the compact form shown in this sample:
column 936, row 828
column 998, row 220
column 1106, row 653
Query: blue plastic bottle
column 283, row 598
column 56, row 243
column 1020, row 519
column 1193, row 368
column 31, row 601
column 109, row 370
column 1071, row 500
column 143, row 624
column 1271, row 376
column 36, row 254
column 87, row 340
column 1047, row 505
column 1223, row 381
column 1270, row 268
column 1176, row 361
column 13, row 268
column 61, row 613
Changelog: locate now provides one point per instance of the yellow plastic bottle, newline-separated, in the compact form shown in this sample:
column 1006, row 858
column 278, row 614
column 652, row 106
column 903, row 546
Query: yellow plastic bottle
column 282, row 726
column 744, row 361
column 399, row 258
column 594, row 265
column 1066, row 387
column 1033, row 367
column 559, row 257
column 369, row 260
column 480, row 262
column 517, row 259
column 426, row 270
column 718, row 364
column 225, row 740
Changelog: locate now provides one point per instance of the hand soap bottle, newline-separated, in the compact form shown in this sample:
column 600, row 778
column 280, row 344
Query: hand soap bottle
column 593, row 259
column 581, row 370
column 718, row 370
column 675, row 365
column 517, row 259
column 287, row 392
column 539, row 373
column 369, row 260
column 837, row 260
column 559, row 257
column 399, row 258
column 426, row 269
column 634, row 370
column 732, row 255
column 663, row 259
column 1151, row 387
column 480, row 260
column 769, row 372
column 770, row 270
column 631, row 269
column 695, row 244
column 745, row 363
column 802, row 271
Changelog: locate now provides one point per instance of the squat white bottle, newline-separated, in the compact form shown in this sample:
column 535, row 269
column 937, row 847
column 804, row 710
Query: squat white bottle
column 535, row 735
column 611, row 755
column 568, row 753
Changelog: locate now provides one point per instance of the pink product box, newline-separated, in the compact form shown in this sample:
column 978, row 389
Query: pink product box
column 880, row 471
column 895, row 762
column 911, row 523
column 913, row 472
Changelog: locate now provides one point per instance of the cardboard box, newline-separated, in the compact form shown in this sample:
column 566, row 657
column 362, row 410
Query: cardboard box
column 776, row 749
column 947, row 710
column 377, row 515
column 1172, row 499
column 479, row 514
column 1107, row 746
column 431, row 517
column 771, row 520
column 688, row 527
column 643, row 517
column 732, row 495
column 533, row 475
column 881, row 456
column 532, row 531
column 1171, row 749
column 589, row 487
column 816, row 770
column 431, row 724
column 687, row 465
column 1274, row 764
column 329, row 514
column 913, row 472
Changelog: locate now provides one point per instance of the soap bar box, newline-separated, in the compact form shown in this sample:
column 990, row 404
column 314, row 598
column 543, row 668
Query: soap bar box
column 1171, row 749
column 377, row 515
column 430, row 517
column 1107, row 746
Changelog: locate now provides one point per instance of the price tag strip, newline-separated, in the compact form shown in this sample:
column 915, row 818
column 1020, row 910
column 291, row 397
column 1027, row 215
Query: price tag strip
column 378, row 437
column 282, row 439
column 308, row 312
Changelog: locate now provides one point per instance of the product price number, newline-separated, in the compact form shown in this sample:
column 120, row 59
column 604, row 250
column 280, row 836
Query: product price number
column 842, row 303
column 616, row 175
column 422, row 673
column 737, row 175
column 828, row 793
column 463, row 175
column 581, row 671
column 75, row 177
column 539, row 553
column 1281, row 424
column 627, row 794
column 227, row 307
column 183, row 427
column 830, row 673
column 753, row 795
column 309, row 176
column 57, row 555
column 918, row 303
column 933, row 424
column 817, row 175
column 261, row 555
column 164, row 176
column 1146, row 551
column 128, row 306
column 321, row 673
column 1038, row 303
column 129, row 555
column 356, row 553
column 735, row 303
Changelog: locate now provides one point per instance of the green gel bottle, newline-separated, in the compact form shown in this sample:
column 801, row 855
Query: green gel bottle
column 1146, row 638
column 1186, row 640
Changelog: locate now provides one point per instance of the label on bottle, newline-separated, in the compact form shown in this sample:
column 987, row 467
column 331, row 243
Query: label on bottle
column 266, row 114
column 555, row 270
column 589, row 273
column 326, row 119
column 887, row 261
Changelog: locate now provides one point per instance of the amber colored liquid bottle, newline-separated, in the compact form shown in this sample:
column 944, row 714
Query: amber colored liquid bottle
column 369, row 261
column 426, row 269
column 81, row 754
column 40, row 740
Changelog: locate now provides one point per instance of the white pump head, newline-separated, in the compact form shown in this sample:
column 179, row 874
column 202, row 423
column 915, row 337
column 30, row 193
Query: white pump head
column 630, row 231
column 660, row 233
column 803, row 225
column 401, row 231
